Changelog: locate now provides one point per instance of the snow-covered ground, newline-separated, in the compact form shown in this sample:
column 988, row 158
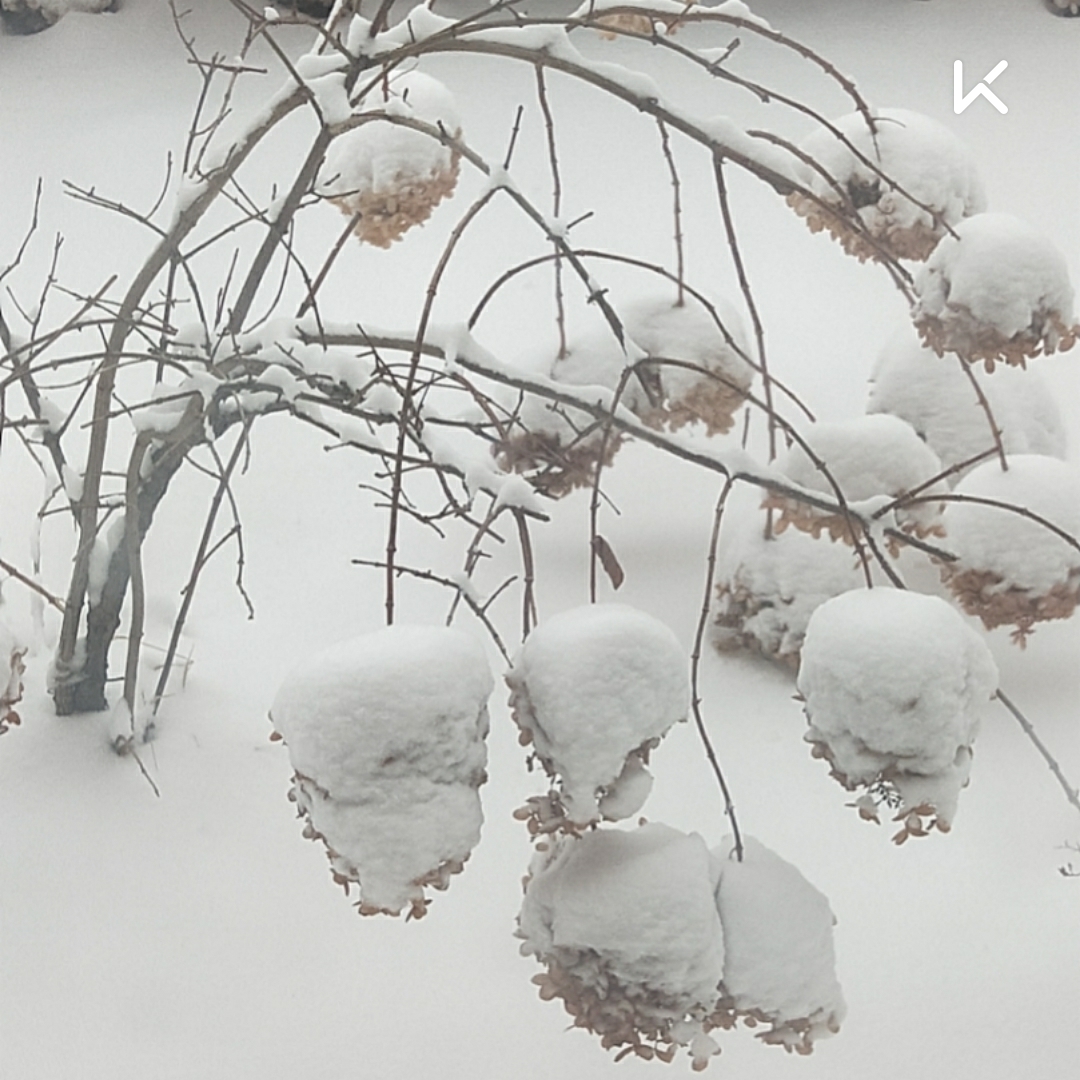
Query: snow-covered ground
column 196, row 934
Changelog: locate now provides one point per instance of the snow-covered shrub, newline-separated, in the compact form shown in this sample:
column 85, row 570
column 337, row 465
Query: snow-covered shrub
column 593, row 691
column 709, row 378
column 996, row 290
column 394, row 176
column 11, row 673
column 779, row 962
column 558, row 446
column 892, row 683
column 867, row 457
column 938, row 401
column 1010, row 569
column 386, row 737
column 921, row 156
column 769, row 586
column 626, row 924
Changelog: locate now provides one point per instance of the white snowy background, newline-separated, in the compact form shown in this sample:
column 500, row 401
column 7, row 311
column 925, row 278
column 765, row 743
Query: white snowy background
column 198, row 935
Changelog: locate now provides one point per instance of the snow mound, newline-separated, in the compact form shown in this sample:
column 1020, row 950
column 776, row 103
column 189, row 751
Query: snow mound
column 390, row 175
column 593, row 690
column 627, row 925
column 714, row 385
column 11, row 673
column 867, row 457
column 892, row 683
column 997, row 290
column 1012, row 570
column 386, row 736
column 937, row 399
column 917, row 154
column 767, row 589
column 779, row 961
column 32, row 16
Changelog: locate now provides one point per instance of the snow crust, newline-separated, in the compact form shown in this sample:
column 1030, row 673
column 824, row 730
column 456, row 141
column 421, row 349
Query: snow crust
column 779, row 959
column 893, row 684
column 1024, row 553
column 385, row 733
column 591, row 686
column 937, row 399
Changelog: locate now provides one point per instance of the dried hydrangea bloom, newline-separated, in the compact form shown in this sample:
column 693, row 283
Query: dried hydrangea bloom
column 698, row 372
column 867, row 457
column 997, row 290
column 892, row 683
column 779, row 961
column 394, row 176
column 559, row 447
column 1010, row 569
column 937, row 399
column 627, row 927
column 768, row 587
column 11, row 673
column 593, row 690
column 386, row 736
column 921, row 156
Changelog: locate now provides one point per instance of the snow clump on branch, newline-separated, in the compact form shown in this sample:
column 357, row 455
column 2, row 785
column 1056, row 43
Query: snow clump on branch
column 393, row 176
column 996, row 291
column 892, row 683
column 593, row 690
column 1010, row 569
column 386, row 736
column 861, row 169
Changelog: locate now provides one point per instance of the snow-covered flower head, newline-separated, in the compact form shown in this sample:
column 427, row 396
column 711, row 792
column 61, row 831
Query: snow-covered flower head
column 1010, row 569
column 627, row 926
column 394, row 176
column 937, row 399
column 893, row 682
column 996, row 290
column 705, row 375
column 779, row 961
column 768, row 587
column 386, row 736
column 593, row 691
column 859, row 175
column 866, row 457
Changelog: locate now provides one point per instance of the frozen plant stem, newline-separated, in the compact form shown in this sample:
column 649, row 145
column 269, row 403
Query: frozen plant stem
column 1071, row 792
column 695, row 668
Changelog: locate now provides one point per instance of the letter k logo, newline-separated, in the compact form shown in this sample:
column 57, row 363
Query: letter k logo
column 961, row 100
